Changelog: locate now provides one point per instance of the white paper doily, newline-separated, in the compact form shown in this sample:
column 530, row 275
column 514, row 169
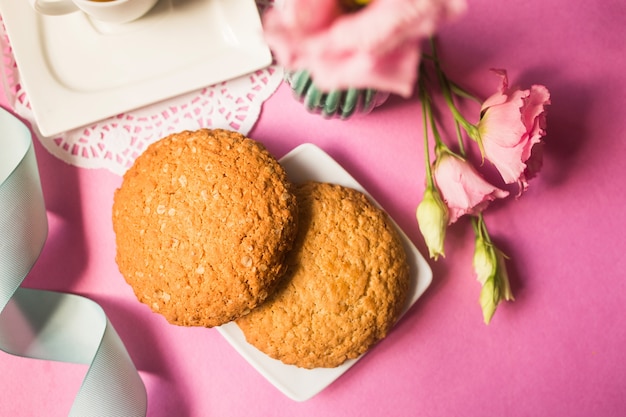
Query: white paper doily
column 114, row 143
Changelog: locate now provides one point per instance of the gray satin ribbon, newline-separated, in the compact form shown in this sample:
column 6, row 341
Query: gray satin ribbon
column 51, row 325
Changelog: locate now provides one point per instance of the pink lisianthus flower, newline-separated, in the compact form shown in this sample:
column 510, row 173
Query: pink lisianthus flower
column 462, row 188
column 513, row 121
column 377, row 46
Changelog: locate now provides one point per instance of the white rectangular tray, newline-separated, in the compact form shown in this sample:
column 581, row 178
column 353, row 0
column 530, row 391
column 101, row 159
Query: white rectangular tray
column 77, row 71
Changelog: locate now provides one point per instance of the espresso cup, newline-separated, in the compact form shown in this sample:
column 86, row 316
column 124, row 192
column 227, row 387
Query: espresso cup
column 109, row 11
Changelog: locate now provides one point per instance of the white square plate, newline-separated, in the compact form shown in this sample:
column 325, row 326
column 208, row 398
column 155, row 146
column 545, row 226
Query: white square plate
column 76, row 71
column 308, row 162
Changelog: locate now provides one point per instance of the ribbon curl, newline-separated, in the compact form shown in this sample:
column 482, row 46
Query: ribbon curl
column 51, row 325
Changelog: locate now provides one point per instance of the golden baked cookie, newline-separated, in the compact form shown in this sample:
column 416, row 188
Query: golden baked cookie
column 203, row 220
column 346, row 283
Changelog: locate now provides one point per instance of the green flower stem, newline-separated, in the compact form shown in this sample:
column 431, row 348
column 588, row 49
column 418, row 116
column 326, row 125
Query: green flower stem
column 460, row 92
column 459, row 137
column 480, row 228
column 471, row 130
column 447, row 89
column 425, row 115
column 429, row 118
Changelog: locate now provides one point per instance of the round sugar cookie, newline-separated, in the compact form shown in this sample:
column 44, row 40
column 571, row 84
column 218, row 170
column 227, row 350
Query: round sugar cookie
column 346, row 283
column 203, row 221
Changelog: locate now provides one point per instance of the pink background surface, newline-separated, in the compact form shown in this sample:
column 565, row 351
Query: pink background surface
column 557, row 350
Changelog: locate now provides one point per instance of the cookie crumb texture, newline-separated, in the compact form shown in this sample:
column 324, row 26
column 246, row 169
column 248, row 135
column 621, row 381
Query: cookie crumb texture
column 203, row 221
column 346, row 283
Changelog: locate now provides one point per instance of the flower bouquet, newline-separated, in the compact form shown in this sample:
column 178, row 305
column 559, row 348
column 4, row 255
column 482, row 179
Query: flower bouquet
column 341, row 53
column 344, row 57
column 509, row 132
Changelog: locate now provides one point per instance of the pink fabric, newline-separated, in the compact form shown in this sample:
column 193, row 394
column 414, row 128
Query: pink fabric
column 557, row 350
